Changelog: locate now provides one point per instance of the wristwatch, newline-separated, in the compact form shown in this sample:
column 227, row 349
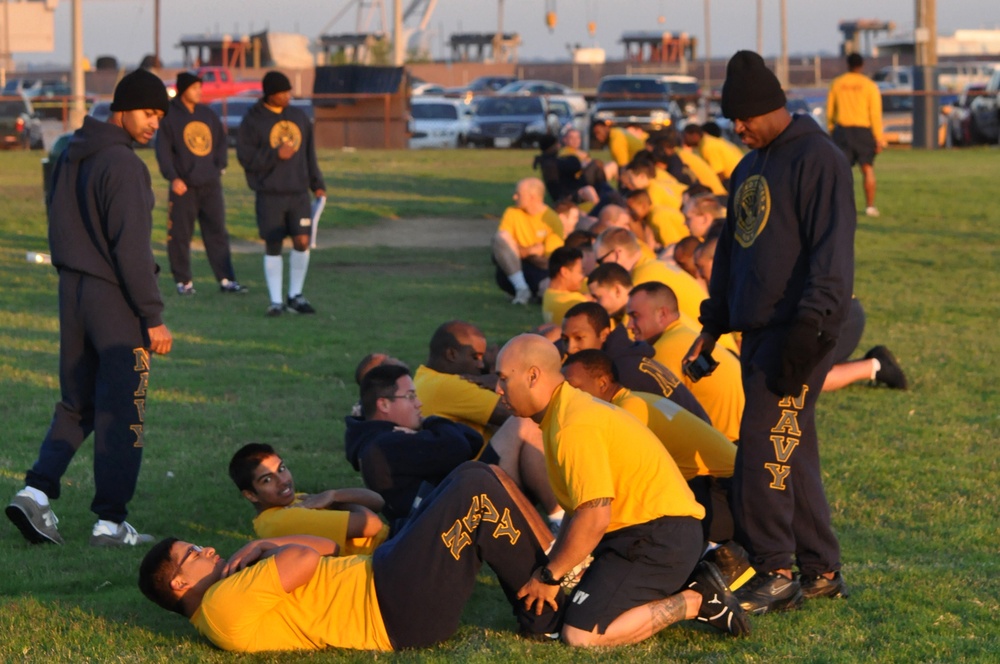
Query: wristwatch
column 545, row 576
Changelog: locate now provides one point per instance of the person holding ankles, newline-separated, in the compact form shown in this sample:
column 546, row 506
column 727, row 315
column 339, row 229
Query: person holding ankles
column 346, row 516
column 528, row 233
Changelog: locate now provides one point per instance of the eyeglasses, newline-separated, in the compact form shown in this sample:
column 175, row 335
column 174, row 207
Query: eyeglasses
column 601, row 259
column 193, row 550
column 409, row 396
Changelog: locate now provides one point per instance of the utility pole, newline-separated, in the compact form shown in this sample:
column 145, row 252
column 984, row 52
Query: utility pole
column 399, row 39
column 783, row 62
column 78, row 108
column 925, row 106
column 760, row 27
column 708, row 42
column 156, row 34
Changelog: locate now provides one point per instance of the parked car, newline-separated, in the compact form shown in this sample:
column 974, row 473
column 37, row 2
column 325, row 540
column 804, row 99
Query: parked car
column 650, row 101
column 960, row 116
column 897, row 117
column 232, row 109
column 438, row 122
column 100, row 110
column 419, row 86
column 984, row 112
column 512, row 121
column 483, row 85
column 575, row 100
column 20, row 126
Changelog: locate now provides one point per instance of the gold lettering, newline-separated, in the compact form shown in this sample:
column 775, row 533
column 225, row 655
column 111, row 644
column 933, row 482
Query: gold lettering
column 141, row 359
column 506, row 528
column 795, row 402
column 140, row 409
column 665, row 379
column 472, row 518
column 783, row 447
column 779, row 473
column 140, row 441
column 140, row 391
column 489, row 512
column 788, row 423
column 456, row 539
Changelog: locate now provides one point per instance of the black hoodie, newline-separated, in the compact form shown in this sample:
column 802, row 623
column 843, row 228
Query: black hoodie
column 395, row 461
column 100, row 215
column 261, row 132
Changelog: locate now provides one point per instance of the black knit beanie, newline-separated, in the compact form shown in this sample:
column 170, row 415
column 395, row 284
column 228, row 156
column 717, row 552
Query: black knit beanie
column 141, row 89
column 275, row 82
column 751, row 89
column 185, row 80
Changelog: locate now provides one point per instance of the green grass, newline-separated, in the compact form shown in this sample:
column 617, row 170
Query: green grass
column 911, row 477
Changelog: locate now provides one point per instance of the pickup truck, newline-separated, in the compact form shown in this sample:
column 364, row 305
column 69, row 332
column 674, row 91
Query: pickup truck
column 219, row 83
column 652, row 102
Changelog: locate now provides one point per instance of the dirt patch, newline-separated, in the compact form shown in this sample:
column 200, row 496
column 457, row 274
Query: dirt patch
column 426, row 233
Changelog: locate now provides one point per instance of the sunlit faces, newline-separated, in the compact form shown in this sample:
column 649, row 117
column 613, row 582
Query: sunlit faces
column 578, row 334
column 194, row 562
column 468, row 357
column 613, row 298
column 192, row 95
column 578, row 376
column 141, row 124
column 514, row 385
column 280, row 99
column 273, row 485
column 403, row 407
column 573, row 275
column 646, row 319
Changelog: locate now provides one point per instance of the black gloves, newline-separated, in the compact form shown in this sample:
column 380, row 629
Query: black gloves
column 804, row 347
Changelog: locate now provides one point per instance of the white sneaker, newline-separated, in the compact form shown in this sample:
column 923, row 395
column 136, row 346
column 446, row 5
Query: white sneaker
column 125, row 535
column 871, row 211
column 522, row 296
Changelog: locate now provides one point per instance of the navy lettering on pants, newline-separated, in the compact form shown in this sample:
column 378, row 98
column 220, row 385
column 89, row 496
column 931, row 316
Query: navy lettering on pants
column 425, row 575
column 206, row 204
column 779, row 507
column 103, row 377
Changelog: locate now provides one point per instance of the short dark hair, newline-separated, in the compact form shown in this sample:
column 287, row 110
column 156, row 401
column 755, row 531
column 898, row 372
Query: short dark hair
column 855, row 61
column 657, row 289
column 596, row 362
column 580, row 239
column 712, row 128
column 595, row 313
column 643, row 164
column 367, row 362
column 445, row 339
column 245, row 462
column 156, row 572
column 379, row 383
column 694, row 129
column 563, row 257
column 640, row 195
column 610, row 274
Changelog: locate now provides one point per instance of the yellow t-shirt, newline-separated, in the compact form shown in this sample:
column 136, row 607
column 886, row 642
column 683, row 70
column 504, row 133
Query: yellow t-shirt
column 689, row 293
column 624, row 145
column 668, row 225
column 720, row 154
column 527, row 230
column 555, row 304
column 702, row 171
column 661, row 195
column 451, row 396
column 721, row 394
column 331, row 524
column 855, row 101
column 337, row 608
column 664, row 177
column 696, row 446
column 596, row 450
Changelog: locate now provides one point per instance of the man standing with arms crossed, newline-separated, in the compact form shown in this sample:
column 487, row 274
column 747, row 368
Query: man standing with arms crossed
column 783, row 275
column 854, row 119
column 100, row 220
column 276, row 149
column 192, row 154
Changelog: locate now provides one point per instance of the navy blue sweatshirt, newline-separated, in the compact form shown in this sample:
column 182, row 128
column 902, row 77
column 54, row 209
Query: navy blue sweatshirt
column 787, row 249
column 261, row 133
column 191, row 145
column 100, row 215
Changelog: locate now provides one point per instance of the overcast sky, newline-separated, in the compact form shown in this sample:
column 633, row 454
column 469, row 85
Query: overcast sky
column 124, row 28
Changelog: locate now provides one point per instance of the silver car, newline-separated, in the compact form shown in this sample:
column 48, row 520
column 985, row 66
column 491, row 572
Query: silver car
column 439, row 122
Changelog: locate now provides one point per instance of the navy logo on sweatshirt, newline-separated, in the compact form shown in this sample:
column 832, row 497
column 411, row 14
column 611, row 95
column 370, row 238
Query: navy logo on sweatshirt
column 753, row 207
column 198, row 138
column 284, row 132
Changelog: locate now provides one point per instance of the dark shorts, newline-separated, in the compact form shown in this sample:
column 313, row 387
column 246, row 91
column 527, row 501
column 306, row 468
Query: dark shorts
column 635, row 566
column 857, row 143
column 283, row 215
column 850, row 333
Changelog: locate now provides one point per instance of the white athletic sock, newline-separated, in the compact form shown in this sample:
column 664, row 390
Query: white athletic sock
column 876, row 366
column 273, row 272
column 36, row 495
column 110, row 525
column 298, row 264
column 517, row 281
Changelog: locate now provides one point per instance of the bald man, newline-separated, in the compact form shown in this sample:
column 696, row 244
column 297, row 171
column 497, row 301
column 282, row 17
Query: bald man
column 627, row 505
column 528, row 233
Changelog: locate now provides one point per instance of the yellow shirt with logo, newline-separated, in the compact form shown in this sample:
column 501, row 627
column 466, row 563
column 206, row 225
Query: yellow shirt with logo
column 721, row 394
column 720, row 154
column 689, row 293
column 702, row 171
column 337, row 608
column 596, row 450
column 555, row 304
column 855, row 101
column 696, row 447
column 528, row 230
column 624, row 145
column 451, row 396
column 331, row 524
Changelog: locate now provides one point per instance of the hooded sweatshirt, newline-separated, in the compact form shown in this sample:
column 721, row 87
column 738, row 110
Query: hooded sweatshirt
column 261, row 133
column 395, row 461
column 787, row 248
column 191, row 145
column 100, row 215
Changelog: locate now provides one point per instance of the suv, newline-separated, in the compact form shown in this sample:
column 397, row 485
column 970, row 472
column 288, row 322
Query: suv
column 652, row 102
column 19, row 124
column 984, row 112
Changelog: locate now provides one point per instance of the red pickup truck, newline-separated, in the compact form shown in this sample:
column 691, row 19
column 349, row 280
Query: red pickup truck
column 219, row 83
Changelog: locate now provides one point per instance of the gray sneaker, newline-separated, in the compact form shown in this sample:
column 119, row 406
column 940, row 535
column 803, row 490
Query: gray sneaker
column 36, row 522
column 126, row 535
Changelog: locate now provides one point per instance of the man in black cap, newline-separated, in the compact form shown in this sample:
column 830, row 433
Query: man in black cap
column 783, row 275
column 275, row 147
column 100, row 219
column 192, row 153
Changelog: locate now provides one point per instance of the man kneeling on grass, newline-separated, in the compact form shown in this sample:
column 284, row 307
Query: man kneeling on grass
column 295, row 593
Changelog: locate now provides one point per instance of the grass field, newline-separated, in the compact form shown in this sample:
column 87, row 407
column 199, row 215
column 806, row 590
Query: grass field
column 911, row 476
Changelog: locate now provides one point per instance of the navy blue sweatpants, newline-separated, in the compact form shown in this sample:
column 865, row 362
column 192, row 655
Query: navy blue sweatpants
column 779, row 508
column 103, row 376
column 204, row 203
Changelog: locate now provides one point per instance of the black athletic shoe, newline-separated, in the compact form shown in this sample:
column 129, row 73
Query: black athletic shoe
column 227, row 286
column 719, row 608
column 733, row 563
column 766, row 593
column 276, row 309
column 820, row 586
column 889, row 374
column 300, row 305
